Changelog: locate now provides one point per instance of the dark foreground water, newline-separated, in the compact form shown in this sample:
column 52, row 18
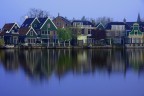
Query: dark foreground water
column 72, row 72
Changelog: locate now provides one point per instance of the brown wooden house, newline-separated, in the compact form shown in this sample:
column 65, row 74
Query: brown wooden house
column 61, row 22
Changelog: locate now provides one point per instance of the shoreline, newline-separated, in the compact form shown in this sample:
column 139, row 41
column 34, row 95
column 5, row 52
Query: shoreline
column 76, row 47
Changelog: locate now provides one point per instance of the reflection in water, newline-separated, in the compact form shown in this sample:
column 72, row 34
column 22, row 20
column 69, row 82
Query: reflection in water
column 41, row 64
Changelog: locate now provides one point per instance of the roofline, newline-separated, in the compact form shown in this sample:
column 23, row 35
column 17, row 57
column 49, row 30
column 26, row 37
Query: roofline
column 101, row 24
column 46, row 21
column 30, row 29
column 13, row 26
column 34, row 20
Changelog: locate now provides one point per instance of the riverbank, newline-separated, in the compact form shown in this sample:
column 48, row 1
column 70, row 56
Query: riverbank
column 72, row 47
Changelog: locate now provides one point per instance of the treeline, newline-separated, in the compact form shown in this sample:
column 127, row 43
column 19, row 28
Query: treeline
column 33, row 12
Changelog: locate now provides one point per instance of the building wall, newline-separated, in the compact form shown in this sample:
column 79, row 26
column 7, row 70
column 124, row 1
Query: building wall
column 61, row 23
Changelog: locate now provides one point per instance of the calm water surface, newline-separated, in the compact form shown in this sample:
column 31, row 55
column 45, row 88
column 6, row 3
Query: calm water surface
column 72, row 72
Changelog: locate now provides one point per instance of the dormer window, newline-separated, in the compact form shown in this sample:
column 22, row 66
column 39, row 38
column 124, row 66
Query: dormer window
column 136, row 32
column 31, row 33
column 12, row 31
column 15, row 27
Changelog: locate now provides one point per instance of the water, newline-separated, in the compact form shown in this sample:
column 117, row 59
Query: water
column 94, row 72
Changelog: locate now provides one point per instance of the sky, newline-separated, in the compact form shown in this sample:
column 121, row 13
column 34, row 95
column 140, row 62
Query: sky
column 15, row 10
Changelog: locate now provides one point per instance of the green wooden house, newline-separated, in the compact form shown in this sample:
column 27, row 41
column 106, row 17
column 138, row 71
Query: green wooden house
column 136, row 35
column 47, row 31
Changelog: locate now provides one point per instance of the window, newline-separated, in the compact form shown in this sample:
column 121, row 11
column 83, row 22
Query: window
column 45, row 32
column 89, row 31
column 31, row 33
column 48, row 32
column 12, row 31
column 136, row 32
column 42, row 32
column 82, row 31
column 15, row 27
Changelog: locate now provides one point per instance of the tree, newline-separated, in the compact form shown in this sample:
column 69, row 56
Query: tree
column 64, row 35
column 2, row 42
column 98, row 34
column 32, row 13
column 138, row 18
column 76, row 31
column 93, row 21
column 83, row 18
column 124, row 20
column 104, row 20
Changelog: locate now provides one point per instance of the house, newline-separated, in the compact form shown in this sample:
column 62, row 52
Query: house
column 27, row 35
column 116, row 32
column 61, row 22
column 47, row 31
column 99, row 34
column 82, row 30
column 10, row 33
column 44, row 28
column 136, row 35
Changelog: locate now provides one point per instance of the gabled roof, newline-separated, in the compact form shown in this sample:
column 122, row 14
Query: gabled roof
column 141, row 25
column 42, row 21
column 27, row 22
column 100, row 24
column 46, row 19
column 25, row 30
column 7, row 27
column 108, row 26
column 64, row 19
column 84, row 22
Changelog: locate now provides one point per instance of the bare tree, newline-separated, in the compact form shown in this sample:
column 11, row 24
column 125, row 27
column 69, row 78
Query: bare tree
column 37, row 13
column 104, row 20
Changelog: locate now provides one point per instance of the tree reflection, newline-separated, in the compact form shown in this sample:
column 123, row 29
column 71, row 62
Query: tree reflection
column 42, row 63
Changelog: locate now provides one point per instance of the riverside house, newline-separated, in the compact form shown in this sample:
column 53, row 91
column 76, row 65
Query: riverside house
column 83, row 30
column 37, row 30
column 27, row 33
column 47, row 31
column 116, row 32
column 10, row 33
column 98, row 35
column 136, row 35
column 61, row 22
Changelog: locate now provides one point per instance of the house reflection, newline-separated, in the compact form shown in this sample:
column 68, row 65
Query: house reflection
column 42, row 63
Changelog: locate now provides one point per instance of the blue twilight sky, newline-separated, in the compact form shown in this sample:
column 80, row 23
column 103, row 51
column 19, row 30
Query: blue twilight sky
column 14, row 10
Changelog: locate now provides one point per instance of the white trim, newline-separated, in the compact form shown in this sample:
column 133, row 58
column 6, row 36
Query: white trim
column 30, row 29
column 34, row 20
column 101, row 24
column 13, row 26
column 46, row 21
